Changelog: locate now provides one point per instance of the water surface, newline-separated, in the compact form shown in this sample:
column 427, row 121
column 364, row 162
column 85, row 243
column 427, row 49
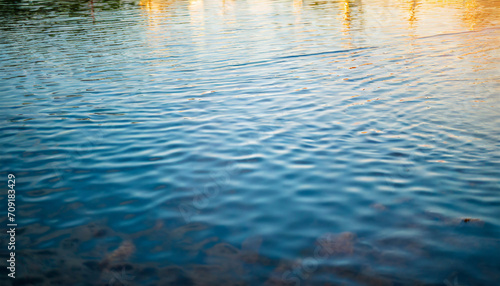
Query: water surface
column 252, row 142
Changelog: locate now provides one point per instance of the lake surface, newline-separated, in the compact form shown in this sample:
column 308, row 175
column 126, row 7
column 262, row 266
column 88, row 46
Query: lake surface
column 252, row 142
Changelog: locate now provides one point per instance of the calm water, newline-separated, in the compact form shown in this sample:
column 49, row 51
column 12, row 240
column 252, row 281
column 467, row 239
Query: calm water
column 252, row 142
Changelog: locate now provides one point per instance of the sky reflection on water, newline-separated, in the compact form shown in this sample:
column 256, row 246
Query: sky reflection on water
column 252, row 142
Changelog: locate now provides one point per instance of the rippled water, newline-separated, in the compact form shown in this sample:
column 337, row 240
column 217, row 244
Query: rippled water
column 252, row 142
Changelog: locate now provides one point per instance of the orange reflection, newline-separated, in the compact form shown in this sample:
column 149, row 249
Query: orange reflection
column 297, row 6
column 156, row 10
column 346, row 15
column 471, row 13
column 412, row 11
column 346, row 23
column 155, row 6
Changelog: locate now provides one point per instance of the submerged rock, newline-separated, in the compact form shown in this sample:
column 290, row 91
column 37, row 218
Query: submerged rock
column 454, row 221
column 283, row 274
column 336, row 244
column 223, row 249
column 250, row 249
column 121, row 254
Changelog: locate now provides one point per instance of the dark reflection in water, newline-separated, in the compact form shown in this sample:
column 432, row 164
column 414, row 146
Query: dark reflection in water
column 252, row 142
column 71, row 8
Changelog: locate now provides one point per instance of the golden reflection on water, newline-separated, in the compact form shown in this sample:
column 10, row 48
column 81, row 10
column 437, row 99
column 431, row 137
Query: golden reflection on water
column 297, row 10
column 155, row 8
column 197, row 14
column 359, row 23
column 412, row 17
column 297, row 5
column 156, row 12
column 346, row 23
column 346, row 16
column 426, row 17
column 471, row 13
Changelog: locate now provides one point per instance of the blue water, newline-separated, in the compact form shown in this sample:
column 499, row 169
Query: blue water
column 251, row 142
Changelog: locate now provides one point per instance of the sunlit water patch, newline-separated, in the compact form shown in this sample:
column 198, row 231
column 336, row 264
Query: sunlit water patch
column 252, row 142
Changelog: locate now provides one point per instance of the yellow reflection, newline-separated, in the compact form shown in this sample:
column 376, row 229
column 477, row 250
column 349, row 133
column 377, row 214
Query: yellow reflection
column 346, row 13
column 154, row 6
column 146, row 4
column 346, row 22
column 297, row 11
column 155, row 10
column 471, row 13
column 297, row 6
column 197, row 13
column 412, row 17
column 425, row 17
